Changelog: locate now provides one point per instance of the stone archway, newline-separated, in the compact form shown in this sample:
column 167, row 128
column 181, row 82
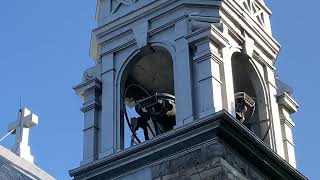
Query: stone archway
column 147, row 73
column 246, row 78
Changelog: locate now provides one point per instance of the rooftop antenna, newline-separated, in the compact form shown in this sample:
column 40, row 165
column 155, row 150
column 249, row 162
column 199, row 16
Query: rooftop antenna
column 10, row 132
column 20, row 102
column 5, row 136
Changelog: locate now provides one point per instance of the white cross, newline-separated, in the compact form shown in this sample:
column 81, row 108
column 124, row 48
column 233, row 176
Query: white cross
column 20, row 128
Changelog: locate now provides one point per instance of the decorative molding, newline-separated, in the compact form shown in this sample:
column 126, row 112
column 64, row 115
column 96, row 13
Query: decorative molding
column 82, row 88
column 288, row 122
column 209, row 55
column 285, row 100
column 121, row 2
column 236, row 15
column 255, row 10
column 94, row 104
column 119, row 48
column 166, row 25
column 209, row 32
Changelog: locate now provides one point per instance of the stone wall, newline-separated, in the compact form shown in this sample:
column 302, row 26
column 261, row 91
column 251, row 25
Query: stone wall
column 214, row 161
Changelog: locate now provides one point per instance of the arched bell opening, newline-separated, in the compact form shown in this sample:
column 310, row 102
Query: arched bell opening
column 147, row 96
column 250, row 97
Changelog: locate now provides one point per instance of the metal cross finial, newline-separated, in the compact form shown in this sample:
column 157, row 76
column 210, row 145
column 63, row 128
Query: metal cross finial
column 20, row 128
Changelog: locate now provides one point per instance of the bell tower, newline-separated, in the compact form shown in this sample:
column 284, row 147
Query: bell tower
column 185, row 89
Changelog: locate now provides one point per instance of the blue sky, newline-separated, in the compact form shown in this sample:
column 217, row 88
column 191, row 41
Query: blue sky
column 44, row 47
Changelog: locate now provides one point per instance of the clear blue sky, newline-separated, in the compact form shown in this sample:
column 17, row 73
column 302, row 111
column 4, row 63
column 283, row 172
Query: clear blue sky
column 44, row 49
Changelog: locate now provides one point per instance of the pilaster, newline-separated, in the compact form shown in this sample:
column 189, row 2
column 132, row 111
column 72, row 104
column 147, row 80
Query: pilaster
column 90, row 91
column 287, row 106
column 274, row 113
column 208, row 64
column 182, row 76
column 109, row 136
column 228, row 87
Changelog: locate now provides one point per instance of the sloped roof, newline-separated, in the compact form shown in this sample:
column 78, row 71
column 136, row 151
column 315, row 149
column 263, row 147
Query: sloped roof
column 12, row 167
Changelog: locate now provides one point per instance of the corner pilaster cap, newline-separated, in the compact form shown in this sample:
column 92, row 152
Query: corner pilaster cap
column 86, row 86
column 288, row 102
column 210, row 32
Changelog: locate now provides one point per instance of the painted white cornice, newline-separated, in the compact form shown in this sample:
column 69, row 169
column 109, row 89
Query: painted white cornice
column 288, row 102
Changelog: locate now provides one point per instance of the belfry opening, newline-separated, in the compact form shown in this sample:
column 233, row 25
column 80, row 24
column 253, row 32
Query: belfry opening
column 148, row 98
column 250, row 98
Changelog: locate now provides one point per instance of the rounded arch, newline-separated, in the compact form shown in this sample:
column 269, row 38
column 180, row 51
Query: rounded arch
column 165, row 45
column 228, row 97
column 234, row 49
column 150, row 69
column 247, row 78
